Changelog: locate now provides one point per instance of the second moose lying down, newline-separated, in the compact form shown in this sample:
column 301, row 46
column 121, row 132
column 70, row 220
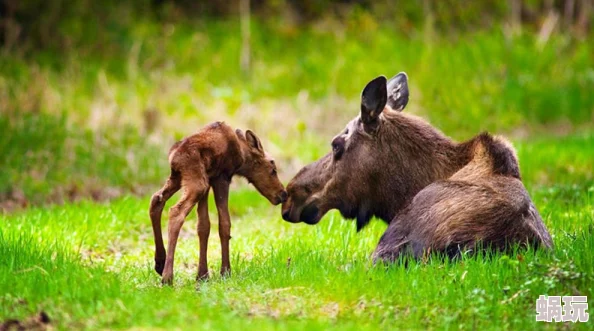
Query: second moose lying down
column 437, row 195
column 209, row 158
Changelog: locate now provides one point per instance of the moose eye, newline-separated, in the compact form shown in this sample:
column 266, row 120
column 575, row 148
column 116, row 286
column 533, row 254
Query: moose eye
column 337, row 147
column 334, row 146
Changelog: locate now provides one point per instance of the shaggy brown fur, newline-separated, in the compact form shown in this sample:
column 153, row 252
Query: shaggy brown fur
column 435, row 193
column 484, row 202
column 209, row 158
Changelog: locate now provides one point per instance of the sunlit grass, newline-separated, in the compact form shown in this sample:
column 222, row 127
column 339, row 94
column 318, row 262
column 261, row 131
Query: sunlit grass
column 90, row 265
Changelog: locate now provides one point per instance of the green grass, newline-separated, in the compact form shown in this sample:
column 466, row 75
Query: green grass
column 89, row 265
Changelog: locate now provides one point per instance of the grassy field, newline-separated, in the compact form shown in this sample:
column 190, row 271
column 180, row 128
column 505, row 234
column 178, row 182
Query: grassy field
column 89, row 265
column 85, row 130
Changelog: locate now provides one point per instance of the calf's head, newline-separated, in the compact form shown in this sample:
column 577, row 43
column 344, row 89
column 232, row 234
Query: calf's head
column 259, row 169
column 374, row 165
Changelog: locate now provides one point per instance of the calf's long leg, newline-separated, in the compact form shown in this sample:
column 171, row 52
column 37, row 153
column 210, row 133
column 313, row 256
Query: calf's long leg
column 203, row 229
column 221, row 192
column 158, row 201
column 193, row 191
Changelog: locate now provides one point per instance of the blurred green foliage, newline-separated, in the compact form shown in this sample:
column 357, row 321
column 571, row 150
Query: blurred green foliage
column 57, row 24
column 47, row 160
column 92, row 94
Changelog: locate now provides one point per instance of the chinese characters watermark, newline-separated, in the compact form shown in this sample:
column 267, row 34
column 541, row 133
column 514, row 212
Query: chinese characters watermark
column 562, row 309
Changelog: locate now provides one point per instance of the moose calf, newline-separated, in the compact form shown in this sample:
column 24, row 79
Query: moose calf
column 209, row 158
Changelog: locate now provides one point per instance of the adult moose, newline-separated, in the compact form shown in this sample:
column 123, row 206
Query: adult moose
column 437, row 195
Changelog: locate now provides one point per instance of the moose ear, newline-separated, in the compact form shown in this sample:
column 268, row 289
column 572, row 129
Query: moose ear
column 373, row 100
column 398, row 91
column 253, row 141
column 239, row 134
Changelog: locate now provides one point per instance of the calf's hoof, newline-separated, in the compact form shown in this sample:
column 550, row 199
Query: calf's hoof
column 225, row 272
column 167, row 279
column 159, row 266
column 202, row 275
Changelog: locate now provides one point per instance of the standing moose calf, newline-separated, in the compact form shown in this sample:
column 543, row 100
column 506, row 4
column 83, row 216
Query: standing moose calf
column 209, row 158
column 437, row 195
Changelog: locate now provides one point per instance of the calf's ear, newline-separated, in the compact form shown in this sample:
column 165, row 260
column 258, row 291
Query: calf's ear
column 253, row 140
column 398, row 91
column 373, row 100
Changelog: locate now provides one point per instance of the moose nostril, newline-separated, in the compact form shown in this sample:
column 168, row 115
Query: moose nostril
column 286, row 215
column 284, row 196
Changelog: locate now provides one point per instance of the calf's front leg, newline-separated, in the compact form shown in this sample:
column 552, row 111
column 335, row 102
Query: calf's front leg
column 203, row 233
column 221, row 191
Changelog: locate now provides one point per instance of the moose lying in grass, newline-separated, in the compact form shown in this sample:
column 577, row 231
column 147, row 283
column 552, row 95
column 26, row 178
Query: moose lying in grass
column 209, row 158
column 436, row 195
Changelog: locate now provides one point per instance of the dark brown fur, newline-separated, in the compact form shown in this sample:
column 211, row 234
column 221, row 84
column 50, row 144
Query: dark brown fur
column 209, row 158
column 435, row 193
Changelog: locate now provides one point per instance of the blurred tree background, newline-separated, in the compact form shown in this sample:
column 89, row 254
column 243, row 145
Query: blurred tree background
column 93, row 93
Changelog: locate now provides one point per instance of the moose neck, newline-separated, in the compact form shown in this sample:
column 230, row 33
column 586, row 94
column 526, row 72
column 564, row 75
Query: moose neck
column 422, row 154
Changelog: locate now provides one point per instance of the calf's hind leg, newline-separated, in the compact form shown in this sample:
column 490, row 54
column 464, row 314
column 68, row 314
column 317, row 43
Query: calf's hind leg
column 158, row 201
column 203, row 233
column 193, row 190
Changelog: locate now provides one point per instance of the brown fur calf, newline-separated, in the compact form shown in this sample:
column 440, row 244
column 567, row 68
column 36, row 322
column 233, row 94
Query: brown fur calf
column 209, row 158
column 436, row 194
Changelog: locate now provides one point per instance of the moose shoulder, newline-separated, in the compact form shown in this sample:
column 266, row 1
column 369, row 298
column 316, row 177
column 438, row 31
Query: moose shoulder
column 437, row 195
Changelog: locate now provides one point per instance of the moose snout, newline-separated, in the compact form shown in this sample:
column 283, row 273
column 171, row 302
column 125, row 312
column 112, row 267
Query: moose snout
column 283, row 196
column 286, row 213
column 286, row 210
column 280, row 197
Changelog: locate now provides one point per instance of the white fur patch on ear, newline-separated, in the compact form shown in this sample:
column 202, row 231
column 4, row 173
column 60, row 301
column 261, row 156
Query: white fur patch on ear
column 398, row 91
